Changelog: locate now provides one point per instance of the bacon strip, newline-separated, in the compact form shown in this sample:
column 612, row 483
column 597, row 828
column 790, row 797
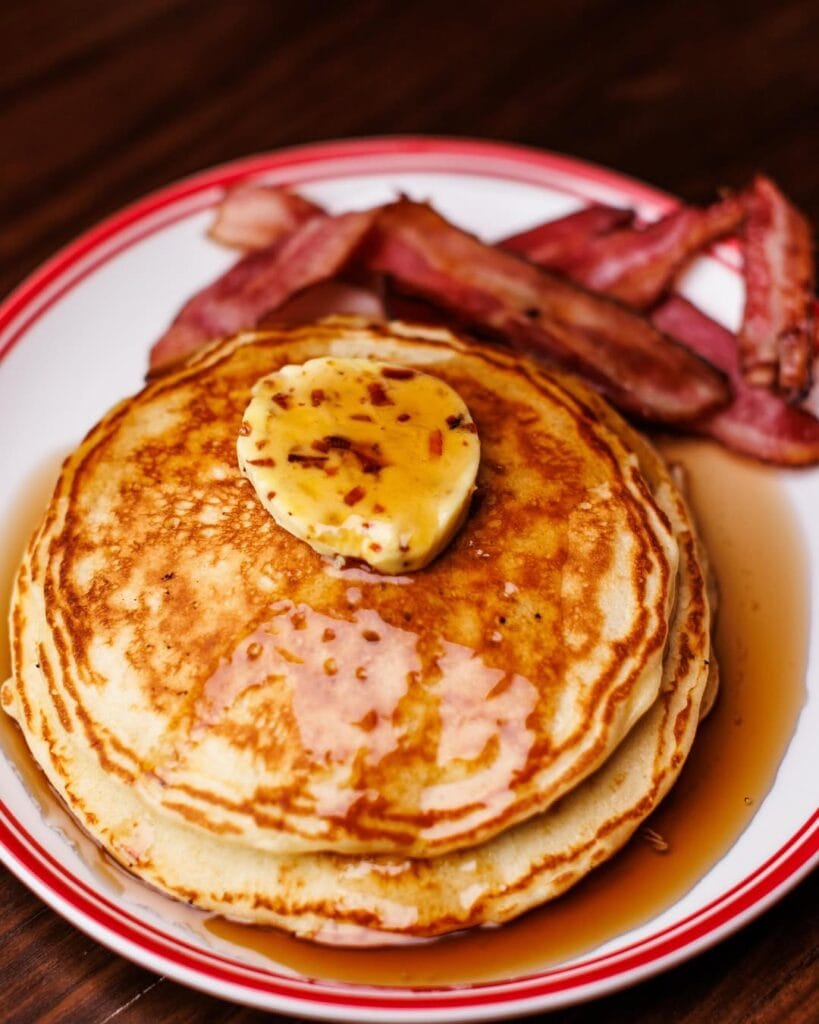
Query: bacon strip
column 254, row 217
column 614, row 349
column 757, row 422
column 260, row 282
column 635, row 265
column 567, row 242
column 776, row 338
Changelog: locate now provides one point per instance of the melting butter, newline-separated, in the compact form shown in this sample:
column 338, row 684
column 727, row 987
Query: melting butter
column 361, row 458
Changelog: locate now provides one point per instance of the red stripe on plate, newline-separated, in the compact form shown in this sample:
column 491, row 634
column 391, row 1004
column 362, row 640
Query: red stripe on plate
column 111, row 923
column 785, row 863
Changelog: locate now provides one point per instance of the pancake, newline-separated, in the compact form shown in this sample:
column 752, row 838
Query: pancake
column 271, row 734
column 239, row 681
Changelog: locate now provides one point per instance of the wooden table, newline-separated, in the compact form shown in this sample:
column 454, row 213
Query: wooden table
column 101, row 102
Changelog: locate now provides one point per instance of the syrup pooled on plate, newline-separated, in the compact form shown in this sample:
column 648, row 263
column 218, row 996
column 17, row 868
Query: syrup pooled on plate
column 761, row 636
column 17, row 530
column 755, row 550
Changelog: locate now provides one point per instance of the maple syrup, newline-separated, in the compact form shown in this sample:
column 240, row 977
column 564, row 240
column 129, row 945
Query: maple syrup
column 762, row 629
column 761, row 639
column 17, row 529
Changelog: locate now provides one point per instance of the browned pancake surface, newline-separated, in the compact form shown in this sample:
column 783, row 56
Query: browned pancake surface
column 248, row 686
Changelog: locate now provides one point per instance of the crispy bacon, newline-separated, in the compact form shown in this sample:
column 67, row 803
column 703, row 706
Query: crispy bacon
column 636, row 265
column 254, row 217
column 262, row 281
column 453, row 278
column 776, row 338
column 757, row 422
column 566, row 242
column 616, row 350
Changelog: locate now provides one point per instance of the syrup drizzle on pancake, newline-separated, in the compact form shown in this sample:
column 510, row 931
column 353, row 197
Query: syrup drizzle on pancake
column 347, row 680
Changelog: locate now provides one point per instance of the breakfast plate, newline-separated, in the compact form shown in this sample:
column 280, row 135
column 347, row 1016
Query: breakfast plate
column 74, row 339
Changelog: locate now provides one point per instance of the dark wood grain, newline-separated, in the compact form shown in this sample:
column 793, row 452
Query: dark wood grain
column 101, row 102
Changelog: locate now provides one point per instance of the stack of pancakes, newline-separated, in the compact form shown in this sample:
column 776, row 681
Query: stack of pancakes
column 292, row 740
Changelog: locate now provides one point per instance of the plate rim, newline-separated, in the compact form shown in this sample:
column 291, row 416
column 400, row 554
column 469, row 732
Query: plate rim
column 549, row 988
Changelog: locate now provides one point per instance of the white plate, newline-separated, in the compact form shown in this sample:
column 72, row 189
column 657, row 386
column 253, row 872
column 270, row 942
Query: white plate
column 74, row 338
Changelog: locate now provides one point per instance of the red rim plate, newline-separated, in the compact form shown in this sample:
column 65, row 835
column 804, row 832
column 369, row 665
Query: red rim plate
column 136, row 938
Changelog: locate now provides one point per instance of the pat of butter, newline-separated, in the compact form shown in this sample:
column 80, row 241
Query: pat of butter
column 361, row 458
